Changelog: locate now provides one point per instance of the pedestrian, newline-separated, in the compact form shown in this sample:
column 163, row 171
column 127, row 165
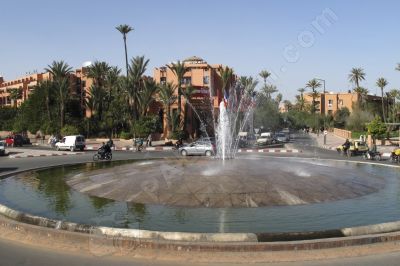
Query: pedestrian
column 148, row 142
column 110, row 143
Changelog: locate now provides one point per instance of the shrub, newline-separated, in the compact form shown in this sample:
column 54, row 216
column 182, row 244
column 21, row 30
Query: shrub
column 125, row 135
column 69, row 130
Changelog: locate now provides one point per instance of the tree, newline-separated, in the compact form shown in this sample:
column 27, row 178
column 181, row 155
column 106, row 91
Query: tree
column 382, row 83
column 124, row 29
column 179, row 70
column 398, row 67
column 226, row 77
column 167, row 97
column 146, row 96
column 187, row 94
column 268, row 90
column 264, row 74
column 376, row 128
column 135, row 84
column 15, row 94
column 341, row 117
column 356, row 75
column 60, row 72
column 314, row 84
column 300, row 100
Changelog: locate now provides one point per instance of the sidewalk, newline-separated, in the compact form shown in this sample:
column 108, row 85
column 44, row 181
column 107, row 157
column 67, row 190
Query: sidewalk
column 332, row 141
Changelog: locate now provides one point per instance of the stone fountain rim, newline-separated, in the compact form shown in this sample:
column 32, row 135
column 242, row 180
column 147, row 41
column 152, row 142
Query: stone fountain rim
column 360, row 235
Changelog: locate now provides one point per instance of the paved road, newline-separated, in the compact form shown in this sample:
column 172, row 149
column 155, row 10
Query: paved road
column 14, row 253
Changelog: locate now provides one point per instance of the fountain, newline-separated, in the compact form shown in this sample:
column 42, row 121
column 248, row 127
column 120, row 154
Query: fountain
column 250, row 194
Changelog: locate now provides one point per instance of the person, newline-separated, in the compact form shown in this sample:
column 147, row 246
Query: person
column 139, row 146
column 104, row 149
column 110, row 143
column 148, row 142
column 346, row 145
column 179, row 143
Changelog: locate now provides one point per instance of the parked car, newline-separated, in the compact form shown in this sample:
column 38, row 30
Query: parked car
column 282, row 137
column 15, row 140
column 2, row 148
column 199, row 147
column 265, row 138
column 72, row 143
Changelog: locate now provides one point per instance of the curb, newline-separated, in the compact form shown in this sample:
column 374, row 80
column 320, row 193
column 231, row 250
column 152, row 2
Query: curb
column 41, row 155
column 270, row 150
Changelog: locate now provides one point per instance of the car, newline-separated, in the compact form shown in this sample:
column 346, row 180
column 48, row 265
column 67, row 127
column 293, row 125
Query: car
column 265, row 139
column 357, row 147
column 282, row 137
column 2, row 148
column 72, row 143
column 199, row 147
column 14, row 140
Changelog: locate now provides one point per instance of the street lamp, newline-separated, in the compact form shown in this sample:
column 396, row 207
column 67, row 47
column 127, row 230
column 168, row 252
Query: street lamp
column 324, row 107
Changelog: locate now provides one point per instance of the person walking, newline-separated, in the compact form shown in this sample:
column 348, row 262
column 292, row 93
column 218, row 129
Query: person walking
column 148, row 142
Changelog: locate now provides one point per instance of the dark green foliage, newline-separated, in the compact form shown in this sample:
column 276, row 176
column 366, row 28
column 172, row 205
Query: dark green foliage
column 7, row 116
column 376, row 128
column 341, row 117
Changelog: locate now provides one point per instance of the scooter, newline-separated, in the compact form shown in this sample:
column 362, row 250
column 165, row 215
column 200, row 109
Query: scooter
column 373, row 155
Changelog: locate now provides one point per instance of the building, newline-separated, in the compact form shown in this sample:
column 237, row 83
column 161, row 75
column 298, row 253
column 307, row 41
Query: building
column 25, row 85
column 330, row 102
column 206, row 81
column 80, row 85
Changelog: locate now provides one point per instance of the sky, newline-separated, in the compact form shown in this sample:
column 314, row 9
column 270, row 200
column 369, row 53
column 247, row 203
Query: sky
column 295, row 40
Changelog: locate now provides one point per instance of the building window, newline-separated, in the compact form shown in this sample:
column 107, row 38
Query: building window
column 163, row 80
column 340, row 102
column 206, row 79
column 187, row 80
column 330, row 103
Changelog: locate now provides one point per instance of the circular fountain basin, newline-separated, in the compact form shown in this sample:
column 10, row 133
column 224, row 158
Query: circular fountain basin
column 202, row 195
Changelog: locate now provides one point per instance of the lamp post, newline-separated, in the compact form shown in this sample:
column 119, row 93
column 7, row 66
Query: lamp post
column 324, row 107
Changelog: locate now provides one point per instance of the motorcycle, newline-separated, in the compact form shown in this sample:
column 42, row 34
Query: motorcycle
column 100, row 155
column 373, row 155
column 395, row 156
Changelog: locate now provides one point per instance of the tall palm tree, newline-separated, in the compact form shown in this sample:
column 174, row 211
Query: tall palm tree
column 48, row 88
column 167, row 97
column 394, row 94
column 136, row 83
column 146, row 96
column 268, row 90
column 278, row 98
column 314, row 84
column 264, row 74
column 382, row 83
column 187, row 94
column 124, row 29
column 301, row 99
column 179, row 70
column 356, row 75
column 60, row 72
column 15, row 94
column 226, row 77
column 98, row 72
column 398, row 67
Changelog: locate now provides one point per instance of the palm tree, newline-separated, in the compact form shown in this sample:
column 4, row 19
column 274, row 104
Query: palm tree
column 167, row 97
column 382, row 83
column 179, row 70
column 136, row 83
column 124, row 29
column 394, row 94
column 47, row 87
column 226, row 77
column 60, row 72
column 398, row 67
column 301, row 99
column 146, row 96
column 356, row 75
column 264, row 74
column 288, row 105
column 187, row 94
column 278, row 98
column 268, row 90
column 314, row 84
column 98, row 72
column 15, row 94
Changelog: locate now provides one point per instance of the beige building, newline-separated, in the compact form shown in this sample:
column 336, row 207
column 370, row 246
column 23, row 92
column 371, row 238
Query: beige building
column 206, row 81
column 330, row 102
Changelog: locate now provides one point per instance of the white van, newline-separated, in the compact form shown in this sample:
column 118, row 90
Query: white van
column 71, row 143
column 2, row 148
column 265, row 138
